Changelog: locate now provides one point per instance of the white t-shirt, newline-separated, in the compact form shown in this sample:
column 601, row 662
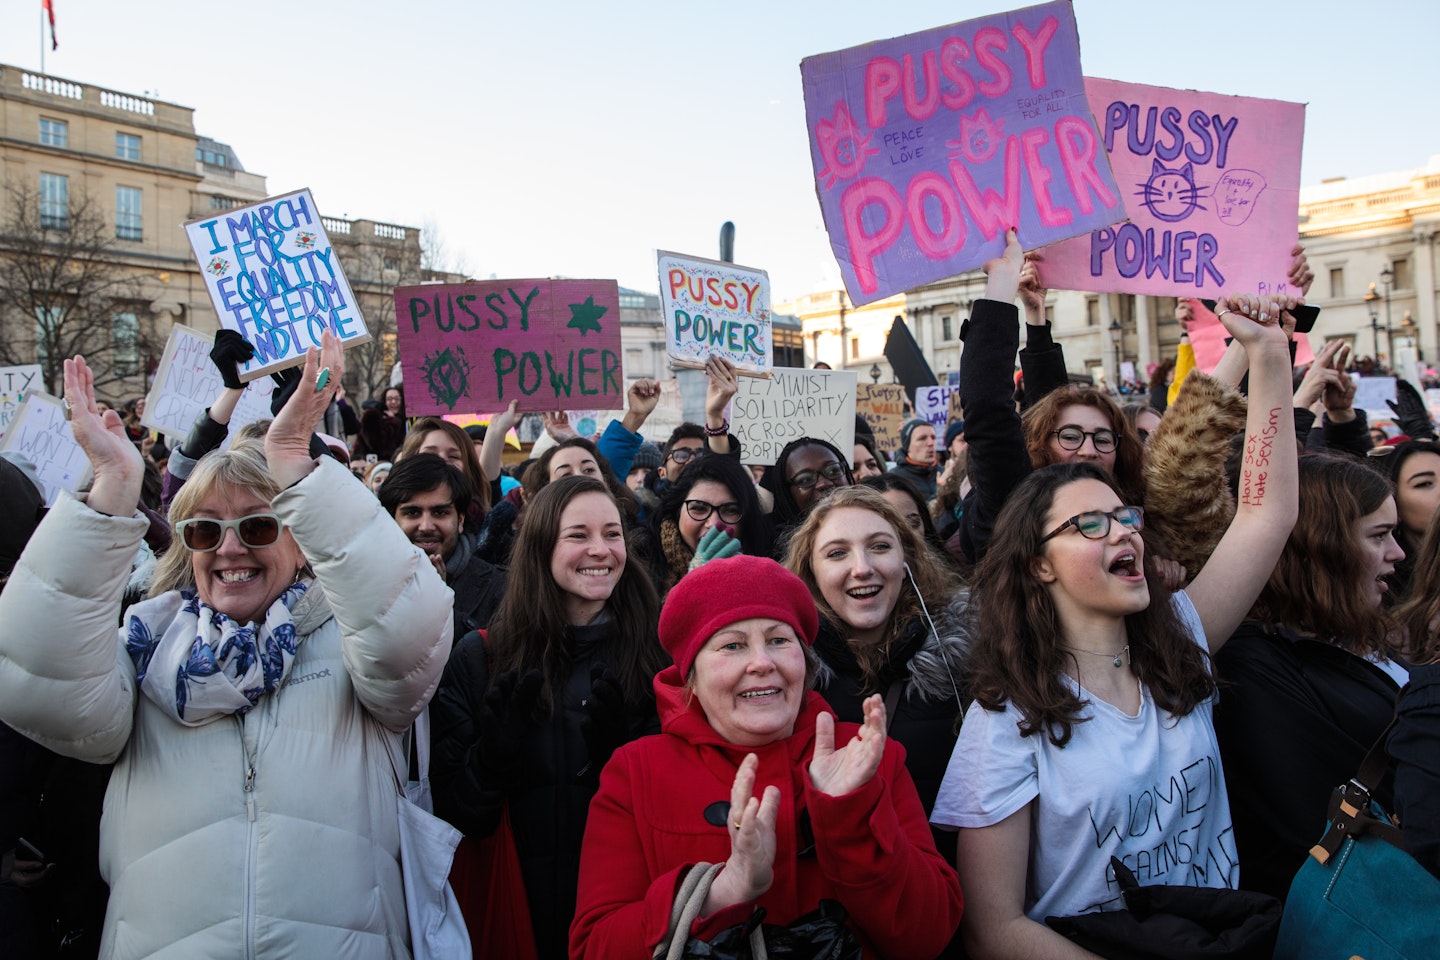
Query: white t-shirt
column 1148, row 789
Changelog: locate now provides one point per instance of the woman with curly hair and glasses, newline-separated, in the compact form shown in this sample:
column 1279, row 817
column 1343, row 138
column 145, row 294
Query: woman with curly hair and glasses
column 1093, row 690
column 715, row 491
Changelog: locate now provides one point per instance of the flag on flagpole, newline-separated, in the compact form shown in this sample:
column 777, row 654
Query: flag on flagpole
column 49, row 7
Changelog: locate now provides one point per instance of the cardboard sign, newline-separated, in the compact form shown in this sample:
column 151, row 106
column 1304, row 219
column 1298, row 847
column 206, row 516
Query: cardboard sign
column 14, row 383
column 1371, row 394
column 927, row 147
column 186, row 383
column 551, row 344
column 274, row 277
column 40, row 432
column 883, row 407
column 932, row 404
column 668, row 414
column 793, row 403
column 1212, row 186
column 1208, row 334
column 714, row 308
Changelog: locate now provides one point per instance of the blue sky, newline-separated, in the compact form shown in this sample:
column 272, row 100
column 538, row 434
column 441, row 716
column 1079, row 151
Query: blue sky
column 576, row 138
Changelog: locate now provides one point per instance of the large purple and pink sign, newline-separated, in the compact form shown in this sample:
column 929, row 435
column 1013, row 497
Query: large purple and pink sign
column 928, row 147
column 550, row 344
column 1212, row 186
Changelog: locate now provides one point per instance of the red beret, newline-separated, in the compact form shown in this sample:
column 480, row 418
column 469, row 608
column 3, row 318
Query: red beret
column 727, row 591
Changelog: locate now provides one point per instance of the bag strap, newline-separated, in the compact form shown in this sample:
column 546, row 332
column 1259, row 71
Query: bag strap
column 892, row 698
column 689, row 901
column 1352, row 808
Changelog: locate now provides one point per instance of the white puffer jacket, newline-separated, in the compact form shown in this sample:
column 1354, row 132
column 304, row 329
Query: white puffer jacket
column 301, row 858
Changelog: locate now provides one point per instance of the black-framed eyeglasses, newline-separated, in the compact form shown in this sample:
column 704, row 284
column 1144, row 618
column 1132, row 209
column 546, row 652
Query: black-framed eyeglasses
column 1073, row 438
column 700, row 510
column 1095, row 524
column 805, row 479
column 202, row 534
column 682, row 454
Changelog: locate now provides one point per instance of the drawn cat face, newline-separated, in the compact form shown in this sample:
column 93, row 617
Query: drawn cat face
column 1171, row 195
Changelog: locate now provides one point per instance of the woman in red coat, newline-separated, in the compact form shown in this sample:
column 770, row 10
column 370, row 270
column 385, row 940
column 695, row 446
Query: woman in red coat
column 747, row 773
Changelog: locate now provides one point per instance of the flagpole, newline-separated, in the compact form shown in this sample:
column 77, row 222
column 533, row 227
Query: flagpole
column 42, row 40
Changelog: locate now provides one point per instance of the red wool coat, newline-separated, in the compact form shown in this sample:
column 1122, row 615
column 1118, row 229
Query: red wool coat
column 873, row 851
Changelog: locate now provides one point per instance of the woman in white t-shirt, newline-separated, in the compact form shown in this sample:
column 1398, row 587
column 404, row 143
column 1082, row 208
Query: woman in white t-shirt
column 1091, row 733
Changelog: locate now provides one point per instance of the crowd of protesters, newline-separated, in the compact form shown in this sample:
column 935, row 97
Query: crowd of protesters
column 904, row 701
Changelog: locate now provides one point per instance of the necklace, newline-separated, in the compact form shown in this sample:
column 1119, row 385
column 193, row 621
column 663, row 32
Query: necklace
column 1120, row 659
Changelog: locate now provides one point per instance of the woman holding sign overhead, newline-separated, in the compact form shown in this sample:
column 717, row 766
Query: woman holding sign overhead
column 253, row 705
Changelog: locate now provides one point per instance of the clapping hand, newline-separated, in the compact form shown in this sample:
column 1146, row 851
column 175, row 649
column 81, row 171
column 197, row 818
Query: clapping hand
column 750, row 870
column 117, row 464
column 838, row 772
column 287, row 443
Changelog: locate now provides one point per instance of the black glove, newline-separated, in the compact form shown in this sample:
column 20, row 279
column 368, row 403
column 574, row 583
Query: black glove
column 507, row 714
column 1411, row 414
column 229, row 351
column 605, row 727
column 285, row 383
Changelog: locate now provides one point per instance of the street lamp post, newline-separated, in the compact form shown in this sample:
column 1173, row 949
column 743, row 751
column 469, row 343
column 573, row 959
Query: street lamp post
column 1387, row 277
column 1115, row 333
column 1372, row 303
column 875, row 373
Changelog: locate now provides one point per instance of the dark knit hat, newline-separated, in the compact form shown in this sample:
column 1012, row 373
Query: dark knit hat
column 956, row 428
column 648, row 456
column 727, row 591
column 476, row 432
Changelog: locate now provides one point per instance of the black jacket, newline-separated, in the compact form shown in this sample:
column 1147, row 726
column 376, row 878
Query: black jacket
column 1295, row 718
column 549, row 796
column 1415, row 749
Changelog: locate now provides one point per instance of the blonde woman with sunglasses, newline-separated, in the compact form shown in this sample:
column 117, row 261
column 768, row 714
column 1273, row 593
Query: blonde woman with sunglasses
column 252, row 704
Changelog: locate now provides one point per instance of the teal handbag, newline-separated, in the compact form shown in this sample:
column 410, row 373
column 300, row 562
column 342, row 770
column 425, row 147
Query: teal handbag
column 1359, row 894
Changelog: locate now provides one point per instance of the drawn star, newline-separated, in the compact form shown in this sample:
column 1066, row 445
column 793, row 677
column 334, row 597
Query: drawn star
column 586, row 316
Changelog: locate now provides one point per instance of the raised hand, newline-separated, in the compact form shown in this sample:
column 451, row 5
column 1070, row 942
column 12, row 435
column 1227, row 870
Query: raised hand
column 1004, row 271
column 119, row 469
column 750, row 870
column 724, row 383
column 287, row 443
column 229, row 351
column 1301, row 275
column 1032, row 291
column 1255, row 321
column 1321, row 374
column 557, row 424
column 1411, row 414
column 838, row 772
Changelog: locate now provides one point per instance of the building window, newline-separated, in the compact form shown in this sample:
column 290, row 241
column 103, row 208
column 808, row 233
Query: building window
column 127, row 146
column 127, row 213
column 224, row 203
column 391, row 263
column 1337, row 283
column 854, row 348
column 125, row 329
column 1401, row 271
column 1092, row 311
column 54, row 201
column 54, row 133
column 946, row 330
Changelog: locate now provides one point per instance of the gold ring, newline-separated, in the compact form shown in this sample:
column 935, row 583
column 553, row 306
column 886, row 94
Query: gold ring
column 1222, row 313
column 736, row 824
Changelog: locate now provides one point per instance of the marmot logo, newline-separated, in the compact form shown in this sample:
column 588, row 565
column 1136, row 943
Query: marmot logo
column 308, row 676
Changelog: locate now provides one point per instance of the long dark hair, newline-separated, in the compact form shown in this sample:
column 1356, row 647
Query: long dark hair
column 786, row 511
column 1314, row 587
column 529, row 630
column 1392, row 464
column 756, row 533
column 1018, row 654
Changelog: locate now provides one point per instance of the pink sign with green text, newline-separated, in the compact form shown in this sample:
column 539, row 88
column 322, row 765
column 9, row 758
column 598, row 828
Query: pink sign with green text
column 551, row 344
column 1212, row 185
column 927, row 147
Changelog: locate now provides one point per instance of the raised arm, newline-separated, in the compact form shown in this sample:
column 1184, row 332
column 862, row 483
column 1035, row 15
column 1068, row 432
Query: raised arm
column 492, row 451
column 1225, row 589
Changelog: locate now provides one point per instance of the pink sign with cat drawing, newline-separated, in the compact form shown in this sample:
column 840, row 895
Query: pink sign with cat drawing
column 1212, row 187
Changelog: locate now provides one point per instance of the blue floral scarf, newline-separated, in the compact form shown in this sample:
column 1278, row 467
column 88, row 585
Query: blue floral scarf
column 204, row 665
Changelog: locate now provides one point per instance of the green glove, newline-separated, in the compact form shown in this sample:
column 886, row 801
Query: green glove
column 717, row 544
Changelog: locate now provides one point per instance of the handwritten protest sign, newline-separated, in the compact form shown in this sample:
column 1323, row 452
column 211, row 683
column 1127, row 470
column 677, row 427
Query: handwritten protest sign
column 186, row 383
column 551, row 344
column 14, row 382
column 40, row 433
column 1212, row 186
column 932, row 404
column 768, row 414
column 667, row 415
column 883, row 407
column 713, row 308
column 274, row 277
column 1371, row 394
column 927, row 147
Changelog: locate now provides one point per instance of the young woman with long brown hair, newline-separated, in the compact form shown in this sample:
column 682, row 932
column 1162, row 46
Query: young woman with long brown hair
column 1092, row 688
